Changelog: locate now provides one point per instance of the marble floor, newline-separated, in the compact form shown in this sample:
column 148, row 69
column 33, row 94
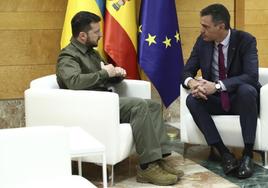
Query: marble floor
column 201, row 171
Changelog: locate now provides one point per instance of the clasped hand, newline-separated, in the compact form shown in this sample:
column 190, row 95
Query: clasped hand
column 114, row 71
column 201, row 88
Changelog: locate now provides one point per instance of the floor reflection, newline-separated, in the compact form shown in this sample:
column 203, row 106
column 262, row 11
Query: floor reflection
column 201, row 170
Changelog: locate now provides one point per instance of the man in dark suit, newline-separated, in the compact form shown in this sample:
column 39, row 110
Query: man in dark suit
column 228, row 62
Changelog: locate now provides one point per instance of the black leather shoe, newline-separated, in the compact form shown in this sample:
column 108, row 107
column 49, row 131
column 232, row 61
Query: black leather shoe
column 246, row 167
column 229, row 163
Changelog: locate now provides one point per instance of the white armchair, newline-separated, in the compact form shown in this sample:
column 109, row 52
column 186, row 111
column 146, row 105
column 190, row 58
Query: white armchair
column 95, row 111
column 34, row 157
column 229, row 125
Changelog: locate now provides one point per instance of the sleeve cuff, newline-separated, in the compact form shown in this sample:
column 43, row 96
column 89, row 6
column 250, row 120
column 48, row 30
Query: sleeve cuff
column 223, row 88
column 104, row 74
column 187, row 80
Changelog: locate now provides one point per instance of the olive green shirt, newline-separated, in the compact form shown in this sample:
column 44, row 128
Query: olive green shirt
column 79, row 68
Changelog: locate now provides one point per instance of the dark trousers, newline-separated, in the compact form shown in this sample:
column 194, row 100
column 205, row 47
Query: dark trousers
column 244, row 102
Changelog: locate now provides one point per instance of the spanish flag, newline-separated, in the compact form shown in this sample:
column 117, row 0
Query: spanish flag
column 75, row 6
column 120, row 35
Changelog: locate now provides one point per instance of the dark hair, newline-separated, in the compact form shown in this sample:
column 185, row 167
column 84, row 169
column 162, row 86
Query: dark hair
column 219, row 14
column 81, row 22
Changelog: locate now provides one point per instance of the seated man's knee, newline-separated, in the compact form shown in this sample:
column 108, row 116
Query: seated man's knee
column 191, row 101
column 154, row 104
column 245, row 91
column 138, row 102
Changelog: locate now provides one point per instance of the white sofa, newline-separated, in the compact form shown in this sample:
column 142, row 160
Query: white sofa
column 229, row 125
column 95, row 111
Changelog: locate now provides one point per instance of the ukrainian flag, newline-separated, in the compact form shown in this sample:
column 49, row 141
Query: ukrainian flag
column 75, row 6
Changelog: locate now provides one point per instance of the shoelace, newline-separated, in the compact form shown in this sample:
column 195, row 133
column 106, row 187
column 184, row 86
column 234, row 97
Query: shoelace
column 158, row 169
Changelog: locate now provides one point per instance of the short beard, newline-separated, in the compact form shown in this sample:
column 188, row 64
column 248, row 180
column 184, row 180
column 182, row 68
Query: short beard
column 90, row 45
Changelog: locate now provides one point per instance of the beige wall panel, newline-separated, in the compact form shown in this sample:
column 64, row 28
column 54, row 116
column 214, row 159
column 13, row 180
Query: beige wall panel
column 256, row 22
column 189, row 33
column 256, row 17
column 262, row 46
column 192, row 19
column 195, row 5
column 15, row 79
column 259, row 31
column 187, row 49
column 188, row 38
column 188, row 19
column 31, row 20
column 32, row 5
column 263, row 60
column 29, row 47
column 255, row 4
column 30, row 34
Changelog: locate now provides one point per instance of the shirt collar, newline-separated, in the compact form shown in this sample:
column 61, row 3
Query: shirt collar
column 226, row 40
column 83, row 48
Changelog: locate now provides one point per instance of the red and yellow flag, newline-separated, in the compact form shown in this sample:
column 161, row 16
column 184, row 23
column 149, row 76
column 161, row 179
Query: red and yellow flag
column 120, row 39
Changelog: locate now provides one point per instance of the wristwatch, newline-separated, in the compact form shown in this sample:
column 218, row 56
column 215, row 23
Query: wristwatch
column 218, row 86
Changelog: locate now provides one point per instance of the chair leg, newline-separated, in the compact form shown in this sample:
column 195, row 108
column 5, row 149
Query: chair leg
column 104, row 170
column 112, row 175
column 79, row 162
column 185, row 148
column 111, row 172
column 263, row 157
column 129, row 166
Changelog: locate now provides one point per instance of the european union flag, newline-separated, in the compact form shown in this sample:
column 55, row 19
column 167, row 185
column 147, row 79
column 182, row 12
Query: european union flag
column 160, row 54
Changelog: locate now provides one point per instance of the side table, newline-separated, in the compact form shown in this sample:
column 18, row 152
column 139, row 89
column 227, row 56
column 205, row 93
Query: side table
column 83, row 144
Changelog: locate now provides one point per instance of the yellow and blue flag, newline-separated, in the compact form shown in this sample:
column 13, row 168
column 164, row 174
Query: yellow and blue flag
column 74, row 6
column 160, row 53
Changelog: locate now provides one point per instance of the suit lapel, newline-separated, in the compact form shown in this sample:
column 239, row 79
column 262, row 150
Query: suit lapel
column 208, row 54
column 231, row 49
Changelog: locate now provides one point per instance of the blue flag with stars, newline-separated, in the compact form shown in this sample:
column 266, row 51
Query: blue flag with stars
column 160, row 54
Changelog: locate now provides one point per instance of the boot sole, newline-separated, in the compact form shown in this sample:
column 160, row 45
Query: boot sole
column 227, row 172
column 145, row 180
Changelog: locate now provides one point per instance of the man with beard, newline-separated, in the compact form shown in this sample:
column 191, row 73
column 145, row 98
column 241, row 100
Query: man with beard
column 228, row 62
column 80, row 67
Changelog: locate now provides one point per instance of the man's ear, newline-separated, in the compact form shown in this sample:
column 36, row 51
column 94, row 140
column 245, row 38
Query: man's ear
column 222, row 26
column 82, row 36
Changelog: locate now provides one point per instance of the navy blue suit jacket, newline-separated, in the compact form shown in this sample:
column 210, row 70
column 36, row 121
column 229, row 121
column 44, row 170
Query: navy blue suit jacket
column 242, row 61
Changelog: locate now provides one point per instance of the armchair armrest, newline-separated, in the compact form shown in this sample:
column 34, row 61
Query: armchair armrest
column 133, row 88
column 45, row 82
column 184, row 112
column 94, row 111
column 263, row 114
column 263, row 75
